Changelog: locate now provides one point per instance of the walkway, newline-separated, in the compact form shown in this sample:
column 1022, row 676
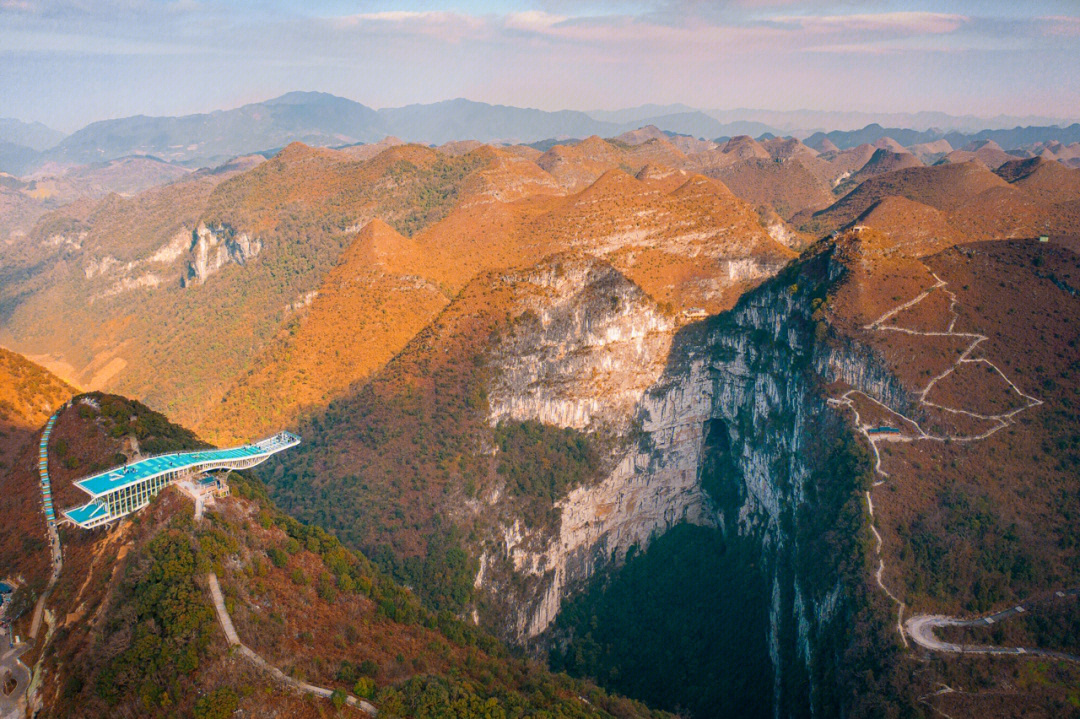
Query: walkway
column 911, row 431
column 50, row 522
column 234, row 640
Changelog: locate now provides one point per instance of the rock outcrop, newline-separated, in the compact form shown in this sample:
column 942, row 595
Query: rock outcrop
column 213, row 247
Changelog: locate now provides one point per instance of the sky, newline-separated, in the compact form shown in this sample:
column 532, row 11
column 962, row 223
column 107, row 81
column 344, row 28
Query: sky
column 70, row 62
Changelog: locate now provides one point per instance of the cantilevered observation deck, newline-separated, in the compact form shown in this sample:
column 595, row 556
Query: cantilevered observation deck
column 123, row 490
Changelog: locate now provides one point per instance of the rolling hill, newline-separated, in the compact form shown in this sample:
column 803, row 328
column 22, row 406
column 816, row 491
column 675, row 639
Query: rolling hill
column 463, row 119
column 987, row 152
column 32, row 135
column 970, row 199
column 788, row 186
column 945, row 187
column 881, row 162
column 321, row 119
column 559, row 366
column 315, row 118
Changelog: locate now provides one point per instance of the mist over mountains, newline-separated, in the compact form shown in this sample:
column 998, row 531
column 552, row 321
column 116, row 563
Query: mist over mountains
column 322, row 119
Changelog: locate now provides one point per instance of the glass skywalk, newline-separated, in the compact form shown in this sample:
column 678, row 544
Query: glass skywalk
column 122, row 490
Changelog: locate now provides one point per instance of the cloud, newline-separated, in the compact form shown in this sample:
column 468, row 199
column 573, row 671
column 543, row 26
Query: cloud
column 43, row 43
column 533, row 20
column 663, row 30
column 877, row 48
column 886, row 22
column 448, row 26
column 115, row 10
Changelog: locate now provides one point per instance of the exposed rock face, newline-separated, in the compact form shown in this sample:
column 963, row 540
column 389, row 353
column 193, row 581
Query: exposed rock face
column 212, row 248
column 99, row 267
column 579, row 364
column 127, row 277
column 734, row 431
column 127, row 284
column 590, row 365
column 173, row 249
column 782, row 234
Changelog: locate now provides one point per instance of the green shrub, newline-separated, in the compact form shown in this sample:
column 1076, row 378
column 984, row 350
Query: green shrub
column 173, row 621
column 325, row 588
column 364, row 687
column 277, row 557
column 219, row 704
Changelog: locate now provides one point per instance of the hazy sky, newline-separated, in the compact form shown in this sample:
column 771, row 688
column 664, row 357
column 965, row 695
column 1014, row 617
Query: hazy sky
column 68, row 62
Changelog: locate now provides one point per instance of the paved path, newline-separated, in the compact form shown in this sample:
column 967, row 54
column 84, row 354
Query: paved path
column 13, row 705
column 234, row 640
column 921, row 630
column 50, row 522
column 910, row 431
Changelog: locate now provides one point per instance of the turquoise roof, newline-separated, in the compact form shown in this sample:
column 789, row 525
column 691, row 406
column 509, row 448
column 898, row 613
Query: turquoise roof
column 120, row 477
column 84, row 514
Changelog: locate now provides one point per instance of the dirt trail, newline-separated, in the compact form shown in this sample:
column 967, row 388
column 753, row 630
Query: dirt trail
column 912, row 432
column 234, row 640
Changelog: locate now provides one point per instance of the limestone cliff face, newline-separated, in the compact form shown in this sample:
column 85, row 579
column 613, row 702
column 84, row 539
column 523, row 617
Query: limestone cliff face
column 724, row 422
column 592, row 362
column 580, row 359
column 213, row 247
column 141, row 273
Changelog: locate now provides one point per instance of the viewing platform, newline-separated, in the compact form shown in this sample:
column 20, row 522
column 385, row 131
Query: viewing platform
column 122, row 490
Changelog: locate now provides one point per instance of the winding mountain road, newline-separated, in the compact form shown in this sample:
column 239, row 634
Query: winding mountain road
column 921, row 630
column 921, row 627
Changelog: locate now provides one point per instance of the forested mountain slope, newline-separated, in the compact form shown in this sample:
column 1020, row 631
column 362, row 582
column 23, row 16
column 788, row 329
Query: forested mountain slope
column 130, row 628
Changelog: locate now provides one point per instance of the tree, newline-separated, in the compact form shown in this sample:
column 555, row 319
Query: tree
column 218, row 704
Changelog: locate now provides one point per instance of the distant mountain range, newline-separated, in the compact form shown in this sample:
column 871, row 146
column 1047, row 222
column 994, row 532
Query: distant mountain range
column 803, row 122
column 32, row 135
column 800, row 123
column 326, row 120
column 21, row 143
column 1016, row 137
column 321, row 119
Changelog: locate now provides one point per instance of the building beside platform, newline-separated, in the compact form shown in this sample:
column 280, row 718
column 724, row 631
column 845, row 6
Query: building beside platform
column 122, row 490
